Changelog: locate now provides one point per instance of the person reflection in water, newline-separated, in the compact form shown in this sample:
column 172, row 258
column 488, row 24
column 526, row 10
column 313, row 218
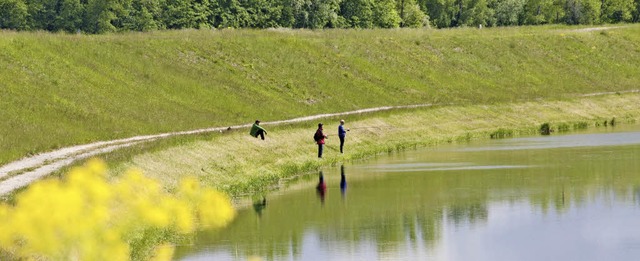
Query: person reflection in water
column 343, row 182
column 321, row 188
column 258, row 206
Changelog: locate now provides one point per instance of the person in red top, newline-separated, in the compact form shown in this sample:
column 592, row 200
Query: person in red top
column 319, row 138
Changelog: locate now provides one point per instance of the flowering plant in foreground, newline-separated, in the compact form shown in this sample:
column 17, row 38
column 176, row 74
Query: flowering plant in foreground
column 86, row 217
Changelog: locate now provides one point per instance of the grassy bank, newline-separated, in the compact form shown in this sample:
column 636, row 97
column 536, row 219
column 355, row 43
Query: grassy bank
column 58, row 90
column 239, row 164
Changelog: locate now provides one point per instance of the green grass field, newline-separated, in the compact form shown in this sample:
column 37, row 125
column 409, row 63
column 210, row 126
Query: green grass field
column 58, row 90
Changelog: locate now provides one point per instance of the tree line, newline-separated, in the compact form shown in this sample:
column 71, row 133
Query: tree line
column 100, row 16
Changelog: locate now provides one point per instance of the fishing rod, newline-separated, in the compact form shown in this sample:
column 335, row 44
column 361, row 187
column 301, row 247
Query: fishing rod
column 373, row 127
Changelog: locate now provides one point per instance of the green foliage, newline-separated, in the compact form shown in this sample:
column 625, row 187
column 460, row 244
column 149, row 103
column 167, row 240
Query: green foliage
column 582, row 11
column 100, row 16
column 441, row 12
column 357, row 13
column 580, row 125
column 476, row 13
column 541, row 11
column 263, row 13
column 545, row 129
column 410, row 14
column 635, row 13
column 69, row 16
column 452, row 13
column 617, row 11
column 143, row 15
column 572, row 126
column 501, row 133
column 13, row 14
column 180, row 14
column 563, row 127
column 313, row 14
column 508, row 12
column 385, row 14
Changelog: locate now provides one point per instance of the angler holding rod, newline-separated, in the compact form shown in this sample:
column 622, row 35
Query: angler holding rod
column 342, row 133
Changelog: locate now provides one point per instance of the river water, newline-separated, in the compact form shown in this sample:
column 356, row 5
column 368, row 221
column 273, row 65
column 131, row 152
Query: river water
column 558, row 197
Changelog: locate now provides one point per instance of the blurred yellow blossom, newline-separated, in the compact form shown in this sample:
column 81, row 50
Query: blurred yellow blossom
column 85, row 217
column 163, row 253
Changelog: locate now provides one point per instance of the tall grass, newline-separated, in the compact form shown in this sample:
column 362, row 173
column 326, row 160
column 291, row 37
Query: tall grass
column 60, row 89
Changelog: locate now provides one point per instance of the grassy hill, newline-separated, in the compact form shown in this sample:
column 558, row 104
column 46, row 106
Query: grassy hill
column 57, row 89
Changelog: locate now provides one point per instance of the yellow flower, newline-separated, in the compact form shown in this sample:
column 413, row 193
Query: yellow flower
column 84, row 217
column 163, row 253
column 97, row 167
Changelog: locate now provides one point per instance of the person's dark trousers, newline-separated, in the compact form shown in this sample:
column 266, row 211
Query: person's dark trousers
column 320, row 147
column 341, row 143
column 261, row 134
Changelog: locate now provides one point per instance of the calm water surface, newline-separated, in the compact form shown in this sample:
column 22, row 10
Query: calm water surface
column 560, row 197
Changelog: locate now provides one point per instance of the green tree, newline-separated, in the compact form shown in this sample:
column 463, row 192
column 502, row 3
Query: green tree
column 441, row 12
column 636, row 12
column 557, row 12
column 538, row 11
column 263, row 13
column 288, row 15
column 616, row 11
column 357, row 13
column 228, row 13
column 42, row 14
column 582, row 11
column 69, row 15
column 13, row 14
column 143, row 15
column 475, row 13
column 385, row 14
column 508, row 12
column 300, row 11
column 315, row 13
column 179, row 14
column 410, row 14
column 102, row 16
column 324, row 13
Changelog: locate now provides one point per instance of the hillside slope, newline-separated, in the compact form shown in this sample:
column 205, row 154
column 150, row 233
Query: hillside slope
column 57, row 90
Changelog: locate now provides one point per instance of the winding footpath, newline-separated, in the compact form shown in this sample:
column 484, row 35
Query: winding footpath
column 23, row 172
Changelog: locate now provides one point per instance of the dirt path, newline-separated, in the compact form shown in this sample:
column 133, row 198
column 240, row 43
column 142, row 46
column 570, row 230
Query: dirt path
column 592, row 29
column 21, row 173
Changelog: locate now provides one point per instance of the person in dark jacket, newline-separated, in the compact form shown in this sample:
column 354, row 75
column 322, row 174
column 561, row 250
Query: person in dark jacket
column 342, row 133
column 319, row 138
column 257, row 130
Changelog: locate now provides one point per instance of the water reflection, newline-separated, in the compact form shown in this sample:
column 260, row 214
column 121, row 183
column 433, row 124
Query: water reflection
column 343, row 182
column 321, row 188
column 578, row 203
column 259, row 206
column 467, row 213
